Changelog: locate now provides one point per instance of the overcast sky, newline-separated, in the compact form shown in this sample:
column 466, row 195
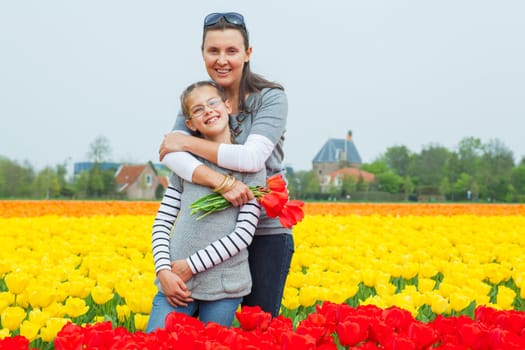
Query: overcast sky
column 408, row 73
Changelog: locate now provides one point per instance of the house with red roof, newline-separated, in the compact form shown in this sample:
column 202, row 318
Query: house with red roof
column 140, row 181
column 337, row 159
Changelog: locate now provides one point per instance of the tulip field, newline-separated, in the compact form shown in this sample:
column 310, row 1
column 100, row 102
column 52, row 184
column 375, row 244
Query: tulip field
column 79, row 275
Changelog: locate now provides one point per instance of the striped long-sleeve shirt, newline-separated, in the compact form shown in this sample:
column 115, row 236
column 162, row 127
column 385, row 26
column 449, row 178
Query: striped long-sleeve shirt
column 216, row 252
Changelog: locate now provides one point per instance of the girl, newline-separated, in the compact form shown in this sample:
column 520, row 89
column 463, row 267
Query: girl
column 217, row 292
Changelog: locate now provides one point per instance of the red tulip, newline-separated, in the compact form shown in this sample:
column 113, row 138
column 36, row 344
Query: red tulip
column 70, row 337
column 422, row 334
column 252, row 317
column 276, row 183
column 17, row 342
column 176, row 321
column 291, row 213
column 316, row 326
column 349, row 333
column 397, row 318
column 471, row 334
column 294, row 341
column 273, row 203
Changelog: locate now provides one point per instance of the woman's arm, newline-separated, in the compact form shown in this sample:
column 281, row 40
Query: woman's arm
column 189, row 168
column 268, row 127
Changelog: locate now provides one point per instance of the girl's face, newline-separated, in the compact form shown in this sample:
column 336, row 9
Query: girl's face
column 209, row 114
column 224, row 55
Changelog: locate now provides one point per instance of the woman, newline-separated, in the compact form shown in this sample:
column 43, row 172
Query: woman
column 258, row 119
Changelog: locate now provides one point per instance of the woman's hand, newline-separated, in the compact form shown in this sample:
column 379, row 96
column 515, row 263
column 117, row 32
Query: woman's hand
column 182, row 269
column 238, row 194
column 174, row 288
column 172, row 142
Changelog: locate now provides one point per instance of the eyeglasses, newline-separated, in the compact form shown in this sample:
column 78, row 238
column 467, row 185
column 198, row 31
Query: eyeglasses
column 230, row 17
column 198, row 111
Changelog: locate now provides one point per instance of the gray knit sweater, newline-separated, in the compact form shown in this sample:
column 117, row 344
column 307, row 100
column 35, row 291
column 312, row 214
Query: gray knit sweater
column 227, row 279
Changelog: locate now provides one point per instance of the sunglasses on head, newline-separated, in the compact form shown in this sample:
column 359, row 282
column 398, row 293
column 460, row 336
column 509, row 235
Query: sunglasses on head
column 230, row 17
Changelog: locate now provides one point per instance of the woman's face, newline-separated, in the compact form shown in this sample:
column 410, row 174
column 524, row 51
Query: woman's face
column 224, row 55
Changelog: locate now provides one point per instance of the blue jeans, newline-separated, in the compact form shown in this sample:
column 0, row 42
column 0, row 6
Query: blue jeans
column 270, row 257
column 219, row 311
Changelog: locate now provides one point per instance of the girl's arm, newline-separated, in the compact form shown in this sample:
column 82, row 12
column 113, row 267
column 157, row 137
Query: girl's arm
column 223, row 248
column 230, row 245
column 162, row 226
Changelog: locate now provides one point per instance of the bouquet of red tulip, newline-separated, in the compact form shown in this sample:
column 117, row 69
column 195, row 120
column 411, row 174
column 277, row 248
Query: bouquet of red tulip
column 273, row 198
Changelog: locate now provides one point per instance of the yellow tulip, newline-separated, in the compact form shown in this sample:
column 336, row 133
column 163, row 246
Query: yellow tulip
column 308, row 295
column 376, row 301
column 385, row 289
column 425, row 284
column 139, row 302
column 16, row 282
column 458, row 301
column 55, row 310
column 39, row 317
column 340, row 293
column 23, row 299
column 4, row 333
column 101, row 295
column 482, row 299
column 12, row 317
column 7, row 297
column 123, row 312
column 49, row 332
column 41, row 296
column 505, row 297
column 141, row 321
column 496, row 273
column 438, row 304
column 97, row 319
column 29, row 330
column 409, row 270
column 368, row 277
column 79, row 287
column 295, row 279
column 75, row 307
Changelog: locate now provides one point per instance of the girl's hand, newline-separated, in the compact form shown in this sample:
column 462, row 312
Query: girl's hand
column 181, row 268
column 172, row 142
column 174, row 288
column 238, row 194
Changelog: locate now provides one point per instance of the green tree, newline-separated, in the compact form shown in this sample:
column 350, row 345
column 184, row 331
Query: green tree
column 99, row 149
column 15, row 179
column 430, row 167
column 308, row 184
column 46, row 184
column 444, row 187
column 66, row 189
column 95, row 183
column 496, row 167
column 389, row 182
column 349, row 186
column 517, row 179
column 376, row 167
column 470, row 150
column 462, row 186
column 407, row 186
column 398, row 159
